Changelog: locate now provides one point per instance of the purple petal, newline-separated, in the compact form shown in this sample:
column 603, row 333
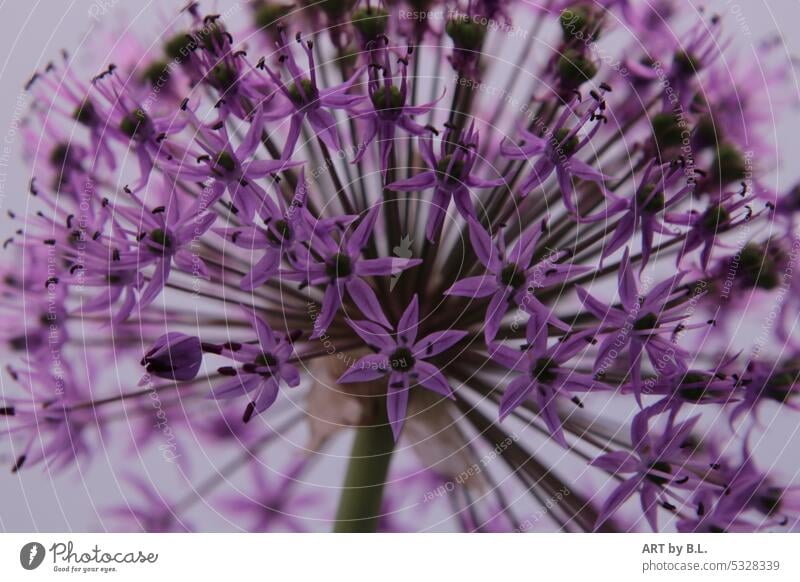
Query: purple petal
column 617, row 462
column 364, row 297
column 266, row 396
column 628, row 291
column 372, row 334
column 437, row 342
column 384, row 266
column 431, row 377
column 474, row 287
column 330, row 305
column 482, row 244
column 515, row 394
column 361, row 234
column 368, row 368
column 421, row 181
column 619, row 496
column 407, row 326
column 498, row 307
column 397, row 402
column 266, row 338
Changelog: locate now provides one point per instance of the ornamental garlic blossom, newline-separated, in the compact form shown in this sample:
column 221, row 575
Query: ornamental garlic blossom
column 336, row 266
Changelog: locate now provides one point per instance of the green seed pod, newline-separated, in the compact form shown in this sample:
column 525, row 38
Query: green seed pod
column 467, row 33
column 729, row 165
column 666, row 131
column 370, row 22
column 574, row 69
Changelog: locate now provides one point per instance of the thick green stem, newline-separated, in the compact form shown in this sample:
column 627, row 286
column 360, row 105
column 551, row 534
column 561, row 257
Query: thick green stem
column 362, row 492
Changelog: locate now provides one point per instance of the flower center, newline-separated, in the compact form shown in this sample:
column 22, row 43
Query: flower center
column 575, row 69
column 467, row 33
column 224, row 76
column 266, row 359
column 779, row 386
column 226, row 162
column 769, row 502
column 179, row 47
column 714, row 218
column 544, row 370
column 729, row 165
column 512, row 276
column 157, row 73
column 279, row 232
column 59, row 155
column 661, row 467
column 648, row 321
column 370, row 22
column 85, row 113
column 401, row 360
column 268, row 15
column 387, row 102
column 304, row 94
column 693, row 386
column 136, row 124
column 162, row 239
column 687, row 63
column 451, row 175
column 339, row 266
column 650, row 202
column 566, row 148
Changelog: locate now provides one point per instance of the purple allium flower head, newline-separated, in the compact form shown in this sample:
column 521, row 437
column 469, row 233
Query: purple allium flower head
column 402, row 357
column 212, row 216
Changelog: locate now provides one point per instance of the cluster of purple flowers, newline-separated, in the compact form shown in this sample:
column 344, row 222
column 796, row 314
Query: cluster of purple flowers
column 319, row 219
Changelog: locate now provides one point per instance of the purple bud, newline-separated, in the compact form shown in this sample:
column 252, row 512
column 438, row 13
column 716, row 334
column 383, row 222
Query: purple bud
column 174, row 356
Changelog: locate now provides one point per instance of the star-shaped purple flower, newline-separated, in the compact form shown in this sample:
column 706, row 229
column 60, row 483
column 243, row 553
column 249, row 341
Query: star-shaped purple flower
column 638, row 325
column 511, row 278
column 232, row 169
column 340, row 267
column 264, row 365
column 304, row 99
column 389, row 108
column 556, row 152
column 645, row 206
column 657, row 461
column 542, row 375
column 402, row 357
column 450, row 175
column 165, row 236
column 284, row 229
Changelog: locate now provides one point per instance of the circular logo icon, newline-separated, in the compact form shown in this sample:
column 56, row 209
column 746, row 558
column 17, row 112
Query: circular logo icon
column 31, row 555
